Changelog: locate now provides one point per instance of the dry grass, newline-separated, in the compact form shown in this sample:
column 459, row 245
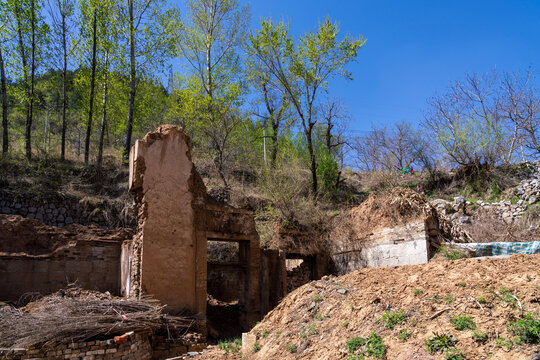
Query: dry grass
column 490, row 227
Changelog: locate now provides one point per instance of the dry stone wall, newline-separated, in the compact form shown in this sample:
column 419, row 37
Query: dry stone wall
column 61, row 212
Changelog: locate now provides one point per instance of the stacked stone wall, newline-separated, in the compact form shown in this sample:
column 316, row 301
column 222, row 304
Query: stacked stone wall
column 61, row 212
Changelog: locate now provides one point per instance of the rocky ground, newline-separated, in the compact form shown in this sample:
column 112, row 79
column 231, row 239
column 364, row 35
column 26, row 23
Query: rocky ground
column 405, row 307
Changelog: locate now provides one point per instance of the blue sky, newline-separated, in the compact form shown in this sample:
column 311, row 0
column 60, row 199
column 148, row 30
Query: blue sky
column 414, row 48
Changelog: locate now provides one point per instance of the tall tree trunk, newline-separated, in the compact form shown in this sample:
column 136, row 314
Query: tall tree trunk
column 273, row 154
column 314, row 185
column 132, row 84
column 23, row 54
column 5, row 143
column 29, row 118
column 103, row 111
column 64, row 87
column 92, row 88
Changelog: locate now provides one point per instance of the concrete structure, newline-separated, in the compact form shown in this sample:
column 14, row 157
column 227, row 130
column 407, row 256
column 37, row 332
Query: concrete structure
column 397, row 246
column 176, row 219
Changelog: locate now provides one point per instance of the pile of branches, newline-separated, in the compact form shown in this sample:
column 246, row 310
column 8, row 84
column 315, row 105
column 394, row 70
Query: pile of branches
column 57, row 319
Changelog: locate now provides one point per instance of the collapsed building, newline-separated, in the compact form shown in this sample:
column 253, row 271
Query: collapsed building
column 178, row 222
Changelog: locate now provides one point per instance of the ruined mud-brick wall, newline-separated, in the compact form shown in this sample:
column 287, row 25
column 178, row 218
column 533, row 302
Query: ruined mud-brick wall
column 61, row 211
column 43, row 259
column 176, row 218
column 298, row 276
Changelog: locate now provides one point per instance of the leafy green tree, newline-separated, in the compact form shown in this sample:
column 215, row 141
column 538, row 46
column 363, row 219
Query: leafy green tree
column 4, row 37
column 213, row 33
column 151, row 27
column 32, row 37
column 302, row 71
column 62, row 17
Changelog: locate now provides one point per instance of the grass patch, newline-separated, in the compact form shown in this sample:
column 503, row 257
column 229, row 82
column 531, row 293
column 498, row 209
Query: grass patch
column 293, row 348
column 480, row 337
column 453, row 354
column 463, row 322
column 317, row 298
column 417, row 292
column 404, row 335
column 393, row 318
column 256, row 347
column 232, row 346
column 440, row 342
column 451, row 253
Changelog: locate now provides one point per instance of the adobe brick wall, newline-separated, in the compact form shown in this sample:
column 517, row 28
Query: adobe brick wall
column 38, row 258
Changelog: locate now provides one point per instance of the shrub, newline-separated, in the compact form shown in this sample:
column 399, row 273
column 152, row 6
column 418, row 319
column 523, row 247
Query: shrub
column 463, row 322
column 393, row 318
column 528, row 329
column 355, row 344
column 440, row 342
column 418, row 292
column 256, row 347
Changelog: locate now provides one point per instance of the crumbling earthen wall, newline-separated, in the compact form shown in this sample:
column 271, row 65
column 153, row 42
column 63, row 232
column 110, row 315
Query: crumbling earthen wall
column 176, row 218
column 36, row 258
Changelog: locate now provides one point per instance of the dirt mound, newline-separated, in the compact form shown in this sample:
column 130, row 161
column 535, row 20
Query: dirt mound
column 317, row 320
column 36, row 238
column 397, row 207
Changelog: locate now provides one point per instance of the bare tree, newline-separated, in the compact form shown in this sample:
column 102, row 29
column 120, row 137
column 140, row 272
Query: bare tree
column 520, row 105
column 469, row 121
column 384, row 149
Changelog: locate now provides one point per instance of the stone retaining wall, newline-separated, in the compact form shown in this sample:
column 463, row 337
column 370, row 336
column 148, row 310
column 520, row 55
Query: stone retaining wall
column 61, row 212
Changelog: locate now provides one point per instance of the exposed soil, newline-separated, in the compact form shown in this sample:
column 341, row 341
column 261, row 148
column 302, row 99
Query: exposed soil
column 319, row 318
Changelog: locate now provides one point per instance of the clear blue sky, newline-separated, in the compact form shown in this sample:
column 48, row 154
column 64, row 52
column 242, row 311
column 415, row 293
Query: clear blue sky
column 415, row 48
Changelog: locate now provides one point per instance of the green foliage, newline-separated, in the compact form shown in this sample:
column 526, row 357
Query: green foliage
column 527, row 328
column 360, row 347
column 449, row 299
column 440, row 342
column 265, row 333
column 452, row 253
column 355, row 344
column 417, row 292
column 463, row 322
column 293, row 348
column 480, row 336
column 231, row 345
column 393, row 318
column 453, row 354
column 256, row 347
column 328, row 171
column 317, row 298
column 404, row 335
column 506, row 295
